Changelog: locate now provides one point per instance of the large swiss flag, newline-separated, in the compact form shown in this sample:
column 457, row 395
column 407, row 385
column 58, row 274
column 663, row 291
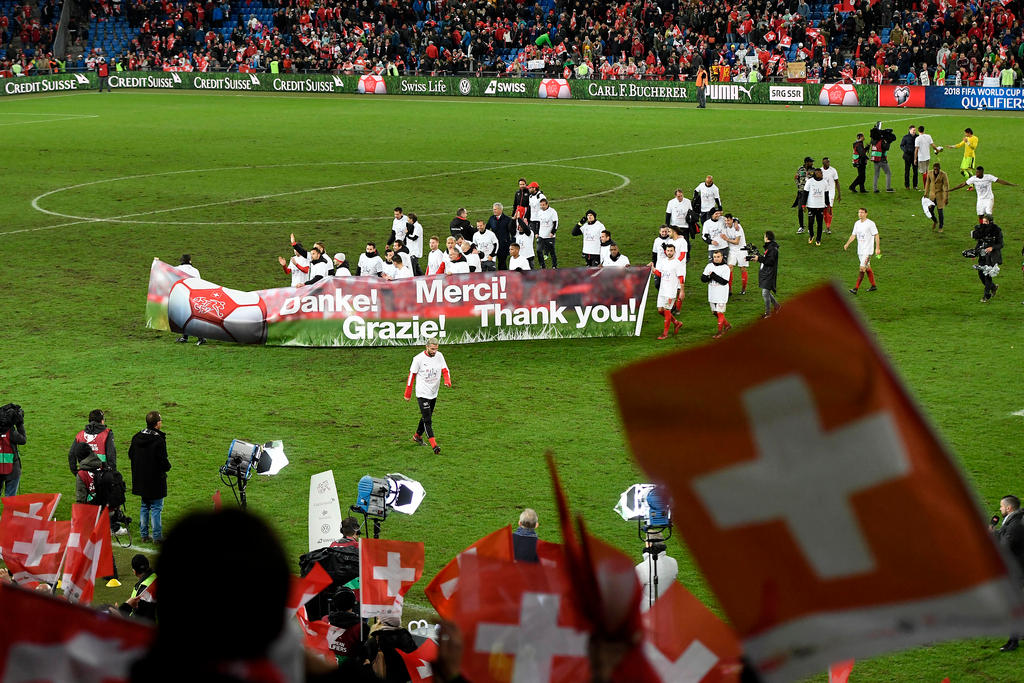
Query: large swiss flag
column 828, row 517
column 387, row 570
column 38, row 506
column 441, row 589
column 89, row 555
column 33, row 548
column 45, row 640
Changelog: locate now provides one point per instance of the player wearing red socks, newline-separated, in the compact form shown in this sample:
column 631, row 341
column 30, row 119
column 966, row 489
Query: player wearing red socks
column 716, row 274
column 866, row 233
column 427, row 370
column 672, row 272
column 737, row 240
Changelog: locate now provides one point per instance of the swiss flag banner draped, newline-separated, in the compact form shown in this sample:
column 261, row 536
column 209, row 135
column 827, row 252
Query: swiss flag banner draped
column 89, row 552
column 32, row 548
column 39, row 506
column 519, row 623
column 685, row 641
column 45, row 640
column 496, row 545
column 387, row 569
column 790, row 511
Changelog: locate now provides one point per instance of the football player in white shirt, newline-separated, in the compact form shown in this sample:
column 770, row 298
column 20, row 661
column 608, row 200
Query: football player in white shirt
column 516, row 260
column 659, row 243
column 388, row 269
column 737, row 240
column 590, row 228
column 923, row 146
column 707, row 197
column 716, row 274
column 297, row 267
column 399, row 227
column 370, row 263
column 713, row 233
column 547, row 224
column 866, row 233
column 487, row 244
column 606, row 244
column 831, row 176
column 470, row 253
column 456, row 262
column 676, row 238
column 318, row 266
column 672, row 272
column 615, row 259
column 427, row 370
column 341, row 265
column 414, row 242
column 816, row 198
column 534, row 196
column 677, row 213
column 982, row 184
column 524, row 238
column 435, row 257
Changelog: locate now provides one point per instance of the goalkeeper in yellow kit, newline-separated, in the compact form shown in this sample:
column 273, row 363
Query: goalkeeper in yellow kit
column 970, row 145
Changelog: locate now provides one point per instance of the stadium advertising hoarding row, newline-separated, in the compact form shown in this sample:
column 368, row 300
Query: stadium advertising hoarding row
column 951, row 97
column 367, row 311
column 456, row 86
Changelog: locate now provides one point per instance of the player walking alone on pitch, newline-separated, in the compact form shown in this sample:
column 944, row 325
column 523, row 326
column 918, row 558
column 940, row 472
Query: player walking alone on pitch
column 427, row 370
column 866, row 233
column 981, row 183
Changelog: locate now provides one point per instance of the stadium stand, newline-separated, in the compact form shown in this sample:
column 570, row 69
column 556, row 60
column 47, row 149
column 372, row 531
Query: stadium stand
column 905, row 41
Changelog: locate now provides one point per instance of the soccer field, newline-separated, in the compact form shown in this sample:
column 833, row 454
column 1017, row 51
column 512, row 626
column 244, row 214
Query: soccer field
column 97, row 184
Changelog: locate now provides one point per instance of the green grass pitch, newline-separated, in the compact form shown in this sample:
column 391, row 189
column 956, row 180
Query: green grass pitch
column 96, row 185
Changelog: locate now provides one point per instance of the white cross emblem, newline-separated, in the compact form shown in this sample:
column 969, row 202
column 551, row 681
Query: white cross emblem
column 424, row 670
column 36, row 549
column 694, row 664
column 536, row 641
column 33, row 512
column 394, row 573
column 806, row 477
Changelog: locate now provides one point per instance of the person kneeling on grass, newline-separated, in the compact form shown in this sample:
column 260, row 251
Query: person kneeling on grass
column 716, row 274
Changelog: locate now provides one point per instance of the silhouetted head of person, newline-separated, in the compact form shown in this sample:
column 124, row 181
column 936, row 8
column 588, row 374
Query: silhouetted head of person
column 222, row 590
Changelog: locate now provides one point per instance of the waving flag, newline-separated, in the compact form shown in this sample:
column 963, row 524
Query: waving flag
column 387, row 569
column 308, row 587
column 440, row 591
column 89, row 552
column 790, row 511
column 32, row 548
column 39, row 506
column 418, row 662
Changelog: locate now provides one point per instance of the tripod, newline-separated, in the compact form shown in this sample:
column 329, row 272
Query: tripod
column 366, row 519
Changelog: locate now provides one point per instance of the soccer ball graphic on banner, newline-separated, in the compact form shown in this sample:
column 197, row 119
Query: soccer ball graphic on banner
column 370, row 84
column 554, row 89
column 838, row 94
column 203, row 309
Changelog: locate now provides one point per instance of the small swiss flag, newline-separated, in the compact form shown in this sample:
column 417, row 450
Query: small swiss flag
column 33, row 548
column 685, row 641
column 440, row 591
column 840, row 671
column 308, row 587
column 387, row 569
column 789, row 512
column 38, row 506
column 418, row 662
column 90, row 554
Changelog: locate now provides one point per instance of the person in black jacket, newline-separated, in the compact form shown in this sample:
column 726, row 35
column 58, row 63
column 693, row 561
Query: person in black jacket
column 521, row 202
column 12, row 435
column 767, row 276
column 989, row 243
column 148, row 454
column 909, row 157
column 503, row 228
column 860, row 162
column 1010, row 535
column 387, row 637
column 460, row 226
column 524, row 538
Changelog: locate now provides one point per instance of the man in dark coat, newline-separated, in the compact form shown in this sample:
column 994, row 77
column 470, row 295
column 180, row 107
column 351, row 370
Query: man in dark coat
column 1010, row 535
column 460, row 226
column 909, row 158
column 767, row 276
column 148, row 453
column 524, row 538
column 504, row 229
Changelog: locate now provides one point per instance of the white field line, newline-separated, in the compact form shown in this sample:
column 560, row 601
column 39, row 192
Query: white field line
column 35, row 201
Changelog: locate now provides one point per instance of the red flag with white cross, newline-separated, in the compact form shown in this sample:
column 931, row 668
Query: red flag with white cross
column 519, row 624
column 685, row 641
column 39, row 506
column 827, row 516
column 418, row 662
column 387, row 569
column 440, row 591
column 89, row 554
column 46, row 640
column 306, row 588
column 32, row 548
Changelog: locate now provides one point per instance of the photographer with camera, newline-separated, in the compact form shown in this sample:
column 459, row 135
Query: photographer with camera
column 767, row 276
column 989, row 252
column 12, row 435
column 881, row 140
column 657, row 571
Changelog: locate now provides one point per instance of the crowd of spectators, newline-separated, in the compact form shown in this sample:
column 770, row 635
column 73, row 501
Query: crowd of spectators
column 908, row 41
